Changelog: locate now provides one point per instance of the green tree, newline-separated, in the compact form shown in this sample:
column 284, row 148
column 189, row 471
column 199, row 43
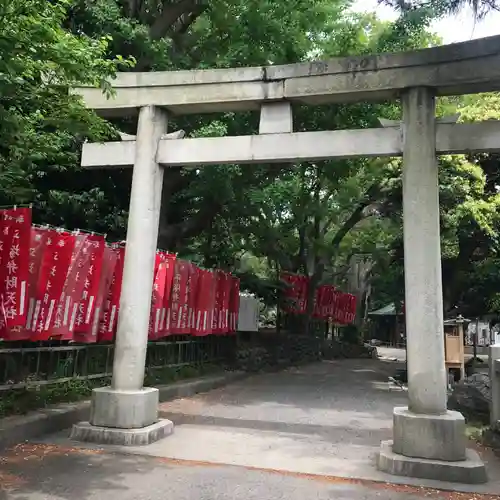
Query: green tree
column 42, row 125
column 470, row 222
column 165, row 35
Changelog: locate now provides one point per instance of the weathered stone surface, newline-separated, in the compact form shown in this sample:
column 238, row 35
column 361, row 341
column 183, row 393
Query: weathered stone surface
column 472, row 398
column 433, row 437
column 86, row 432
column 455, row 69
column 470, row 471
column 124, row 409
column 288, row 147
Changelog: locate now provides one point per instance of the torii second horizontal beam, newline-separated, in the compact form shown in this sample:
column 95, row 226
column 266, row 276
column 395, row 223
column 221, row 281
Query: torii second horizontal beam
column 294, row 147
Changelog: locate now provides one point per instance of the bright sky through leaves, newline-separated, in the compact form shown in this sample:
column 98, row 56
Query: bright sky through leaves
column 452, row 29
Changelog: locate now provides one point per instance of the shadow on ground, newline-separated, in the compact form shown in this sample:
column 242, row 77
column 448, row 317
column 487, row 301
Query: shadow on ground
column 33, row 472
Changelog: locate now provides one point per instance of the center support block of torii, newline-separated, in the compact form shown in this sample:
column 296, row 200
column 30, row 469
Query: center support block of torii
column 428, row 440
column 127, row 413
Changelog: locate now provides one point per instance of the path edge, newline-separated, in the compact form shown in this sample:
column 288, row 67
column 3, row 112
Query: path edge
column 19, row 428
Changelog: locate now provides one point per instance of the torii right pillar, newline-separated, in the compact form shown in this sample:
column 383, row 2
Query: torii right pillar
column 428, row 441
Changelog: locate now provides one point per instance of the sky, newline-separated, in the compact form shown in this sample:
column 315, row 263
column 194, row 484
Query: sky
column 458, row 28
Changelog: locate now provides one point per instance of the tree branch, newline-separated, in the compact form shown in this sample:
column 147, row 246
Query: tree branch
column 357, row 215
column 171, row 13
column 170, row 235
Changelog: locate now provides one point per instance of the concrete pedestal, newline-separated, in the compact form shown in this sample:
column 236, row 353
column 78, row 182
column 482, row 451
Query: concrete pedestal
column 435, row 437
column 127, row 418
column 86, row 432
column 124, row 409
column 471, row 470
column 431, row 447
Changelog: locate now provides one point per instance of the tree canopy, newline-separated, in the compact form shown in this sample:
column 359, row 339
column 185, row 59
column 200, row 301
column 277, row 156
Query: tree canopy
column 314, row 218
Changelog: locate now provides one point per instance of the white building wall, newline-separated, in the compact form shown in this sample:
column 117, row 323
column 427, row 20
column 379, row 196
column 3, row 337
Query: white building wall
column 248, row 318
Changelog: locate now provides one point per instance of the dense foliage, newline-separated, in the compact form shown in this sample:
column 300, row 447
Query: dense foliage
column 312, row 218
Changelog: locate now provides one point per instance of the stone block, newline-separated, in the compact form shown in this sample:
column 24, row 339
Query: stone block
column 433, row 437
column 276, row 117
column 86, row 432
column 469, row 471
column 124, row 409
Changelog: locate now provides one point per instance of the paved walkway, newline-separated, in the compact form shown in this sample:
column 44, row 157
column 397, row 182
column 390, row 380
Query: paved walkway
column 302, row 433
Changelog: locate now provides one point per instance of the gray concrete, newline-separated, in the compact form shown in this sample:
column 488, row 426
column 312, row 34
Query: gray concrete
column 454, row 69
column 286, row 147
column 142, row 230
column 276, row 118
column 425, row 430
column 325, row 419
column 53, row 473
column 471, row 470
column 62, row 416
column 422, row 254
column 127, row 405
column 124, row 409
column 86, row 432
column 494, row 364
column 434, row 437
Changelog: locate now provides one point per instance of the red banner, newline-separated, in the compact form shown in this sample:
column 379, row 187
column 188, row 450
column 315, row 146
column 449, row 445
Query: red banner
column 324, row 303
column 163, row 276
column 54, row 269
column 109, row 321
column 193, row 283
column 330, row 301
column 88, row 272
column 165, row 327
column 338, row 315
column 234, row 304
column 67, row 307
column 179, row 302
column 109, row 260
column 319, row 299
column 345, row 310
column 225, row 291
column 295, row 293
column 15, row 236
column 38, row 242
column 351, row 308
column 217, row 305
column 57, row 285
column 205, row 300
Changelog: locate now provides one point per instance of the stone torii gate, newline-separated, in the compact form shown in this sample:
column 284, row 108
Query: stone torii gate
column 429, row 441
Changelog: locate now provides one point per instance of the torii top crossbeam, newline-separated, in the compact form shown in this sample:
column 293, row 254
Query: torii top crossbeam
column 468, row 67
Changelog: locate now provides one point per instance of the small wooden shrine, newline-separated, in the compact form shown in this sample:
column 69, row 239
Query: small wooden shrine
column 454, row 346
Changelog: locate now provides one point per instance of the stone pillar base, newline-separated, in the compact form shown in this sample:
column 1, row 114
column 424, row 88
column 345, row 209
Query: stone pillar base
column 434, row 437
column 86, row 432
column 123, row 417
column 469, row 471
column 431, row 447
column 124, row 409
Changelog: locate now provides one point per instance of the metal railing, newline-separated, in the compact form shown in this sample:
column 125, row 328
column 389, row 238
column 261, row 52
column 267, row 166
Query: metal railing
column 30, row 365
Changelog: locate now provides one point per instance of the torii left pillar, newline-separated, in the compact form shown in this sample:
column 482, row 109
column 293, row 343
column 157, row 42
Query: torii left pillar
column 127, row 413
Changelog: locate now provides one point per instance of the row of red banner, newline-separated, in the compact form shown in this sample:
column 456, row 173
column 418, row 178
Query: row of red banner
column 329, row 303
column 57, row 285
